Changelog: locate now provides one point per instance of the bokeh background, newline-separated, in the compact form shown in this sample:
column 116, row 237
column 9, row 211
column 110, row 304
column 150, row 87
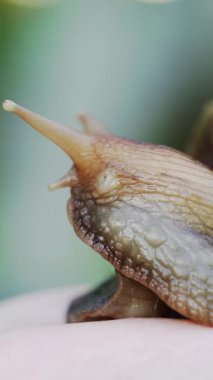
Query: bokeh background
column 145, row 70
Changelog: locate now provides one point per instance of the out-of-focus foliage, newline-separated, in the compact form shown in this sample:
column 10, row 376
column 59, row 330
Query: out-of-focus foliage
column 32, row 3
column 155, row 1
column 144, row 71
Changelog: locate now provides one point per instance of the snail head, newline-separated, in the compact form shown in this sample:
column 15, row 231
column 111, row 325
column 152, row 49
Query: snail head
column 114, row 180
column 101, row 163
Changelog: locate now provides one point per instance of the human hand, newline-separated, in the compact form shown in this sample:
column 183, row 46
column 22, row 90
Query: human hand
column 35, row 343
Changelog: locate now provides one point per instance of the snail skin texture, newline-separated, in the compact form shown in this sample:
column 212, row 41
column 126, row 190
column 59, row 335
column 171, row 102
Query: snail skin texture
column 148, row 210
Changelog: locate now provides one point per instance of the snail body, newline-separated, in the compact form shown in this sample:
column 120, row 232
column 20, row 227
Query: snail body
column 148, row 210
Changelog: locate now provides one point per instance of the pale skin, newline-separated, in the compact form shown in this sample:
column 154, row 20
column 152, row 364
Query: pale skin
column 35, row 343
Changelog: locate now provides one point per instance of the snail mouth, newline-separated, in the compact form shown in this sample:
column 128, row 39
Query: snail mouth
column 81, row 209
column 70, row 210
column 79, row 215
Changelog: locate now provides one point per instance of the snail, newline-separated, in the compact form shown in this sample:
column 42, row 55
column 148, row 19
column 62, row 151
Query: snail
column 148, row 210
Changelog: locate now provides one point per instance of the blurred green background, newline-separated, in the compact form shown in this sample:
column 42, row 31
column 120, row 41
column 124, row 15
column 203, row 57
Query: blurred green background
column 144, row 70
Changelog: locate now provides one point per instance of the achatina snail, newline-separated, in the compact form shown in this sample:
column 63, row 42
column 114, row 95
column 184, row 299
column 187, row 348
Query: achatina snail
column 148, row 210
